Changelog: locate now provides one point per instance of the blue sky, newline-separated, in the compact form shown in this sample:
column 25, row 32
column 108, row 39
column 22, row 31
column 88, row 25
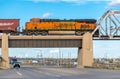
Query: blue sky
column 62, row 9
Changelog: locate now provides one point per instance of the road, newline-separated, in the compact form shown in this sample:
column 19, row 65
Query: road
column 58, row 73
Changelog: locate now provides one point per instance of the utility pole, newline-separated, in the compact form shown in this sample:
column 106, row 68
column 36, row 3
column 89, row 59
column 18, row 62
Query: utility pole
column 59, row 58
column 70, row 58
column 62, row 58
column 106, row 57
column 41, row 56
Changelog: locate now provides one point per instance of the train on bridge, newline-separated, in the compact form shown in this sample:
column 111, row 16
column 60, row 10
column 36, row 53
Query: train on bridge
column 38, row 26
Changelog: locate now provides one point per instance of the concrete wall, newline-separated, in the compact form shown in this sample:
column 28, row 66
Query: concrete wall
column 85, row 54
column 5, row 56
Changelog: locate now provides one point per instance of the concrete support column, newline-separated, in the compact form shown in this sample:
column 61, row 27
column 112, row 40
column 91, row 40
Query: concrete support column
column 85, row 54
column 5, row 57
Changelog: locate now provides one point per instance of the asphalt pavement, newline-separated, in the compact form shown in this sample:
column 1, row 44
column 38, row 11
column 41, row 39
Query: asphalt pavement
column 58, row 73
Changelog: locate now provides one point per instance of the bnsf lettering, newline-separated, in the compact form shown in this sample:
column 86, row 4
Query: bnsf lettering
column 66, row 24
column 6, row 24
column 85, row 26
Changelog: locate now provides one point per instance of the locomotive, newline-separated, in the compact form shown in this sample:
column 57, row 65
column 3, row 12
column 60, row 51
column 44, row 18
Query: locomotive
column 38, row 26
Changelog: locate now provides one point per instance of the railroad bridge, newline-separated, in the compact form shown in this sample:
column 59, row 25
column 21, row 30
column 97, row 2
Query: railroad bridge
column 84, row 44
column 107, row 27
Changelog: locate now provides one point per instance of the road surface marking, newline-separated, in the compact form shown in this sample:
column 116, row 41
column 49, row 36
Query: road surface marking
column 68, row 71
column 61, row 70
column 57, row 76
column 47, row 73
column 18, row 73
column 52, row 74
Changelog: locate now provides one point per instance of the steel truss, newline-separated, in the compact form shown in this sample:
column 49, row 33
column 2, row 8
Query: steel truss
column 108, row 26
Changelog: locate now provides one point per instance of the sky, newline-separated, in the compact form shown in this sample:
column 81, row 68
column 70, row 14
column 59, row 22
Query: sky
column 60, row 9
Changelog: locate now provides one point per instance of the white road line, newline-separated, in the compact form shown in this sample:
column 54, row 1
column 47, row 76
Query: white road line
column 18, row 73
column 57, row 76
column 46, row 73
column 40, row 71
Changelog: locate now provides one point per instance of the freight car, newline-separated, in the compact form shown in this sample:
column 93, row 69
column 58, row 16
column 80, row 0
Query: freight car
column 9, row 26
column 38, row 26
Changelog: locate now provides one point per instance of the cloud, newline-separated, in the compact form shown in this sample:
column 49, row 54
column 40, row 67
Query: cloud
column 26, row 55
column 46, row 15
column 36, row 1
column 110, row 2
column 114, row 3
column 54, row 51
column 70, row 1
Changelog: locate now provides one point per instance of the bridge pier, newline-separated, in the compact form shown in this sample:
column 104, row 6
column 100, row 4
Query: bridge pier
column 5, row 57
column 85, row 54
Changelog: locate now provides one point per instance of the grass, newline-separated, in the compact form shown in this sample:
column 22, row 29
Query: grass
column 103, row 68
column 1, row 69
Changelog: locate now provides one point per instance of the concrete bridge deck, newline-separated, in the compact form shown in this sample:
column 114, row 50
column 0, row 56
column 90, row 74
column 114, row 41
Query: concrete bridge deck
column 44, row 37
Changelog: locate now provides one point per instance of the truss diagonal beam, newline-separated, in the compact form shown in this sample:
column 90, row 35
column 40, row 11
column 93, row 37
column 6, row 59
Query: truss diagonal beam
column 108, row 27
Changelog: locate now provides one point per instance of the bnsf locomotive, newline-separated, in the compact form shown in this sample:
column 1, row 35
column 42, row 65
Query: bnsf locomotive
column 38, row 26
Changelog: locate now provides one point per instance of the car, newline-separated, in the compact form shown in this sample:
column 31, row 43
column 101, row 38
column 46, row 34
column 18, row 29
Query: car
column 16, row 65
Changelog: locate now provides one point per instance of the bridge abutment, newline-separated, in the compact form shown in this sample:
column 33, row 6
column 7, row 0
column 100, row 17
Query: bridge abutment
column 85, row 54
column 5, row 57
